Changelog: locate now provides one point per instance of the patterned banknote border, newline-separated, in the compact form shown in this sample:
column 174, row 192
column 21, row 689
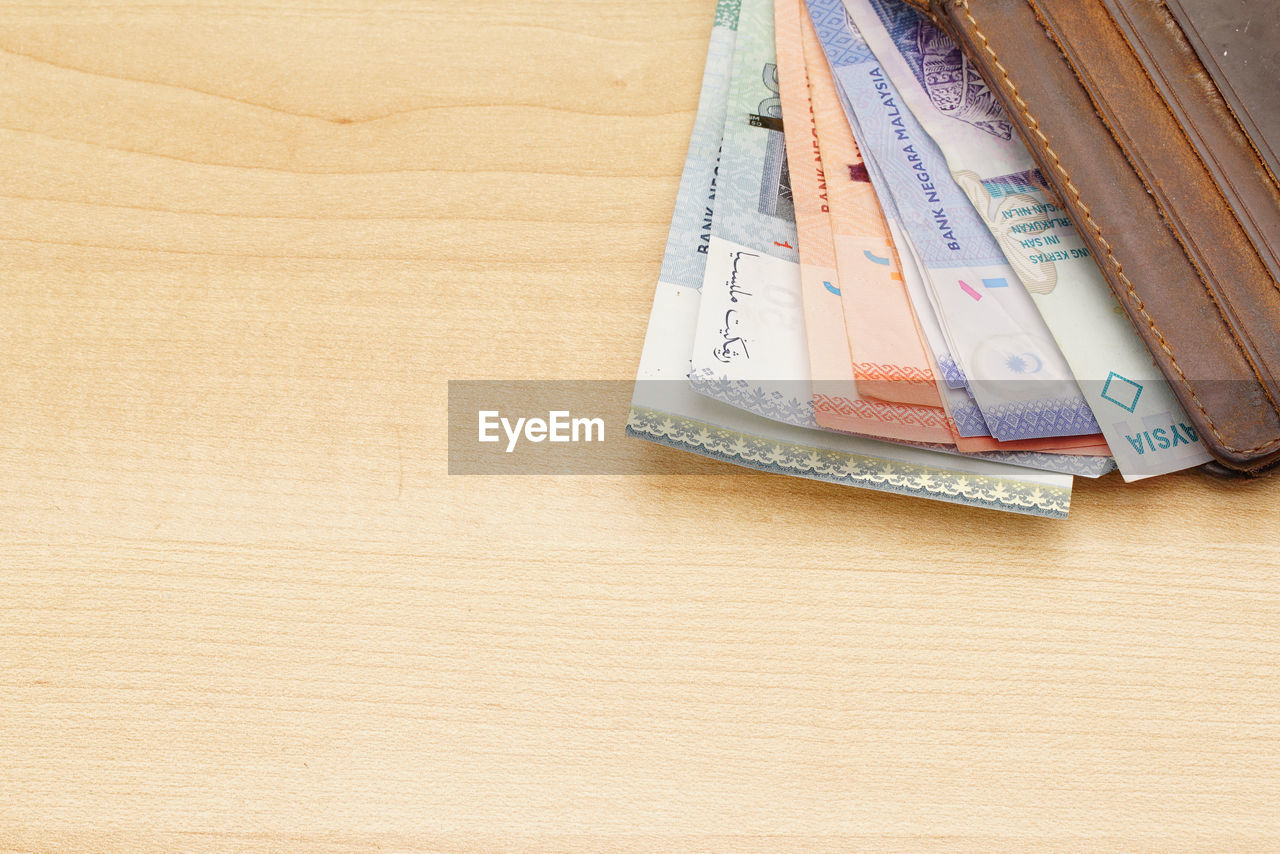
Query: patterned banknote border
column 763, row 454
column 756, row 398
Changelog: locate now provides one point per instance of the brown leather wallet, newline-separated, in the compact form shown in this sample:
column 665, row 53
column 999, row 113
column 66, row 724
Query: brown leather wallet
column 1158, row 124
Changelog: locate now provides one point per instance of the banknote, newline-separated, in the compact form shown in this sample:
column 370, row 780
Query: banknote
column 872, row 312
column 839, row 401
column 966, row 418
column 1013, row 367
column 751, row 312
column 971, row 432
column 889, row 357
column 665, row 410
column 685, row 259
column 1121, row 382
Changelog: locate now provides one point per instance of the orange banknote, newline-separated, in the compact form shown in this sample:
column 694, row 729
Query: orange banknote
column 841, row 400
column 890, row 360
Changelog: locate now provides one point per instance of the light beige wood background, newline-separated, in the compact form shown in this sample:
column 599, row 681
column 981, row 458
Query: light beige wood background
column 243, row 606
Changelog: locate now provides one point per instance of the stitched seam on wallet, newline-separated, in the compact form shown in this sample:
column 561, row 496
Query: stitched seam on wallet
column 1261, row 161
column 1195, row 150
column 1226, row 102
column 1130, row 290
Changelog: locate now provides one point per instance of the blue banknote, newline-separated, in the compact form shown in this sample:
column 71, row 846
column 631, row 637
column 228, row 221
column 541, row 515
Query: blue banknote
column 1013, row 367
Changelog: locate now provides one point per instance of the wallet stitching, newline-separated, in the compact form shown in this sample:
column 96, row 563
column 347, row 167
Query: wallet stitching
column 1195, row 150
column 1226, row 102
column 1131, row 292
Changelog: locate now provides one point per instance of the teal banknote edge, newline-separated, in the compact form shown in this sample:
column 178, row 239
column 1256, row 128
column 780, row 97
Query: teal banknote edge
column 867, row 472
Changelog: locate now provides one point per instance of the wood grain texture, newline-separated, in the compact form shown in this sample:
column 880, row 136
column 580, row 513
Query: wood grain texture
column 245, row 245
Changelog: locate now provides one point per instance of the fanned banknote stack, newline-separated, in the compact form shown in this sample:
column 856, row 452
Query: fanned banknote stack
column 868, row 282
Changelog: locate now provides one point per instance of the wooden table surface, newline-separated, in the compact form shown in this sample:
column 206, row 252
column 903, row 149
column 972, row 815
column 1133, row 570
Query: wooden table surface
column 243, row 606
